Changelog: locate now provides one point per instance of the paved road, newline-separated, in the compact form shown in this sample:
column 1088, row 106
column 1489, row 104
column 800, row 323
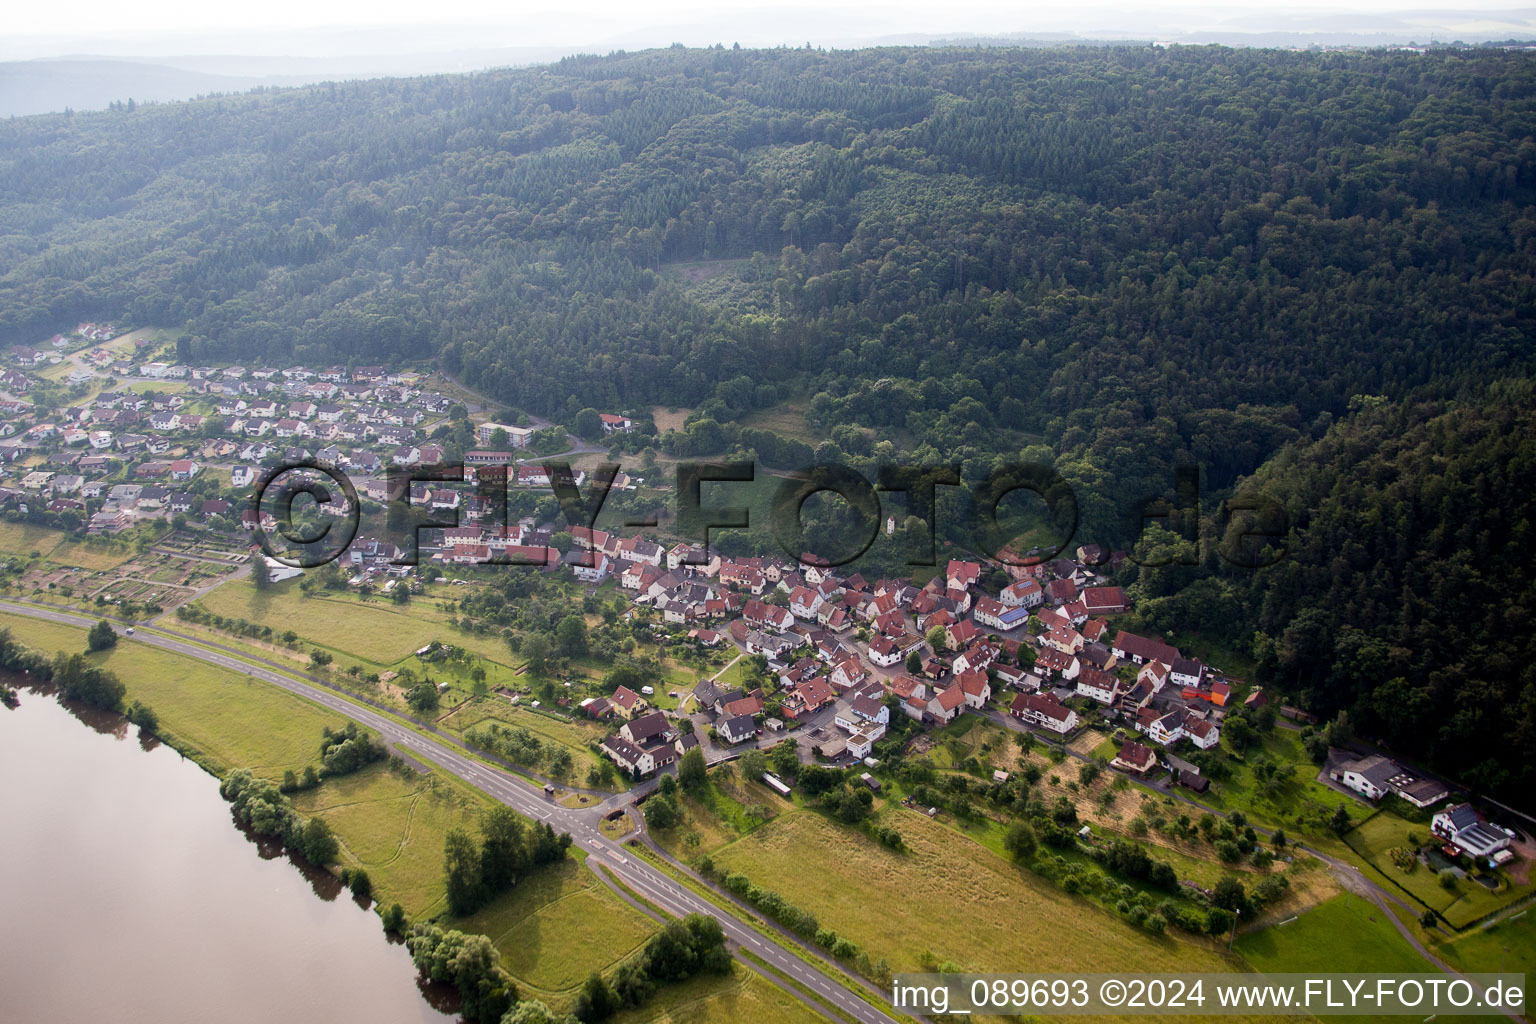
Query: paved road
column 639, row 875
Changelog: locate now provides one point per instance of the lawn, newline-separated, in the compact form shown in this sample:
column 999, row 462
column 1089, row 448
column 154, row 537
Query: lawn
column 1346, row 933
column 558, row 926
column 1373, row 838
column 946, row 898
column 718, row 815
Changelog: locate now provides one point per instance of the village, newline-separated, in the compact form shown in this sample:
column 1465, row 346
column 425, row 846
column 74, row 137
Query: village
column 840, row 659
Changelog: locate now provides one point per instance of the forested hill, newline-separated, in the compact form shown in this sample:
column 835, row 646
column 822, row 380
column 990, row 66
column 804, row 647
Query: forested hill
column 1408, row 598
column 1142, row 255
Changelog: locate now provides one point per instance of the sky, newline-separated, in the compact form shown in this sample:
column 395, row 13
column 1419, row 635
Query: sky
column 305, row 28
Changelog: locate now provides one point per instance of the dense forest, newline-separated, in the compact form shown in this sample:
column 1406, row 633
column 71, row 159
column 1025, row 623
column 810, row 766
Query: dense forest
column 1306, row 273
column 1407, row 598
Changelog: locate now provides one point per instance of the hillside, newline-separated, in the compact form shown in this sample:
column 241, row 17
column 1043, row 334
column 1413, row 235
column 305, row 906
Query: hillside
column 1408, row 596
column 1144, row 255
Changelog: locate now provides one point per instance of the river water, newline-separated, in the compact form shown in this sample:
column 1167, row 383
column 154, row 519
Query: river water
column 128, row 894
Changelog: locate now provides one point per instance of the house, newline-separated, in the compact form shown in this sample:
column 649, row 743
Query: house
column 1017, row 677
column 1203, row 733
column 884, row 652
column 1135, row 758
column 1154, row 674
column 1061, row 591
column 975, row 687
column 1064, row 639
column 1164, row 728
column 629, row 756
column 1422, row 793
column 1462, row 826
column 946, row 705
column 962, row 575
column 1045, row 711
column 808, row 697
column 1051, row 662
column 614, row 424
column 627, row 701
column 1368, row 776
column 1139, row 649
column 1186, row 672
column 760, row 613
column 1023, row 594
column 1375, row 776
column 184, row 469
column 849, row 673
column 993, row 613
column 648, row 729
column 958, row 634
column 1099, row 686
column 738, row 729
column 594, row 573
column 862, row 743
column 1104, row 600
column 804, row 603
column 762, row 643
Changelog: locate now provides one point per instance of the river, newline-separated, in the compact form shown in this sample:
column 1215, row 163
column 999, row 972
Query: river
column 128, row 894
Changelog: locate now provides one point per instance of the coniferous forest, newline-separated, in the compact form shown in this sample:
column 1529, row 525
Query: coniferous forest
column 1310, row 274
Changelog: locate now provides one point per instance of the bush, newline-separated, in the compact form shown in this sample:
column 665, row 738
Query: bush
column 101, row 637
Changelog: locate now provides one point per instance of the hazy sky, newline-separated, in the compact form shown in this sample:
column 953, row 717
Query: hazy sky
column 99, row 26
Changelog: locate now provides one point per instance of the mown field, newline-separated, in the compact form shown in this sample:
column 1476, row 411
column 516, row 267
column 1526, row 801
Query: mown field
column 223, row 719
column 945, row 899
column 1346, row 933
column 742, row 997
column 1508, row 945
column 558, row 926
column 375, row 632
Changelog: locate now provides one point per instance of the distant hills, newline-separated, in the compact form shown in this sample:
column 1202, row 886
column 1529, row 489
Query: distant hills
column 95, row 83
column 49, row 86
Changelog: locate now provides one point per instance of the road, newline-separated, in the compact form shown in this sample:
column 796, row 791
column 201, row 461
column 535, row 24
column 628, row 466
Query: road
column 582, row 825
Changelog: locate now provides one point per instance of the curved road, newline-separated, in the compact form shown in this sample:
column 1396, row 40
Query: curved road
column 639, row 875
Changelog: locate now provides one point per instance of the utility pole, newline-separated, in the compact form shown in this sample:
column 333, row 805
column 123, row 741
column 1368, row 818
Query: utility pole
column 1236, row 915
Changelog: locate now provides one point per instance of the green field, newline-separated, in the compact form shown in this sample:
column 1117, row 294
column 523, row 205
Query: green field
column 375, row 632
column 1510, row 943
column 1346, row 933
column 573, row 736
column 558, row 926
column 945, row 899
column 742, row 997
column 223, row 719
column 24, row 538
column 718, row 815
